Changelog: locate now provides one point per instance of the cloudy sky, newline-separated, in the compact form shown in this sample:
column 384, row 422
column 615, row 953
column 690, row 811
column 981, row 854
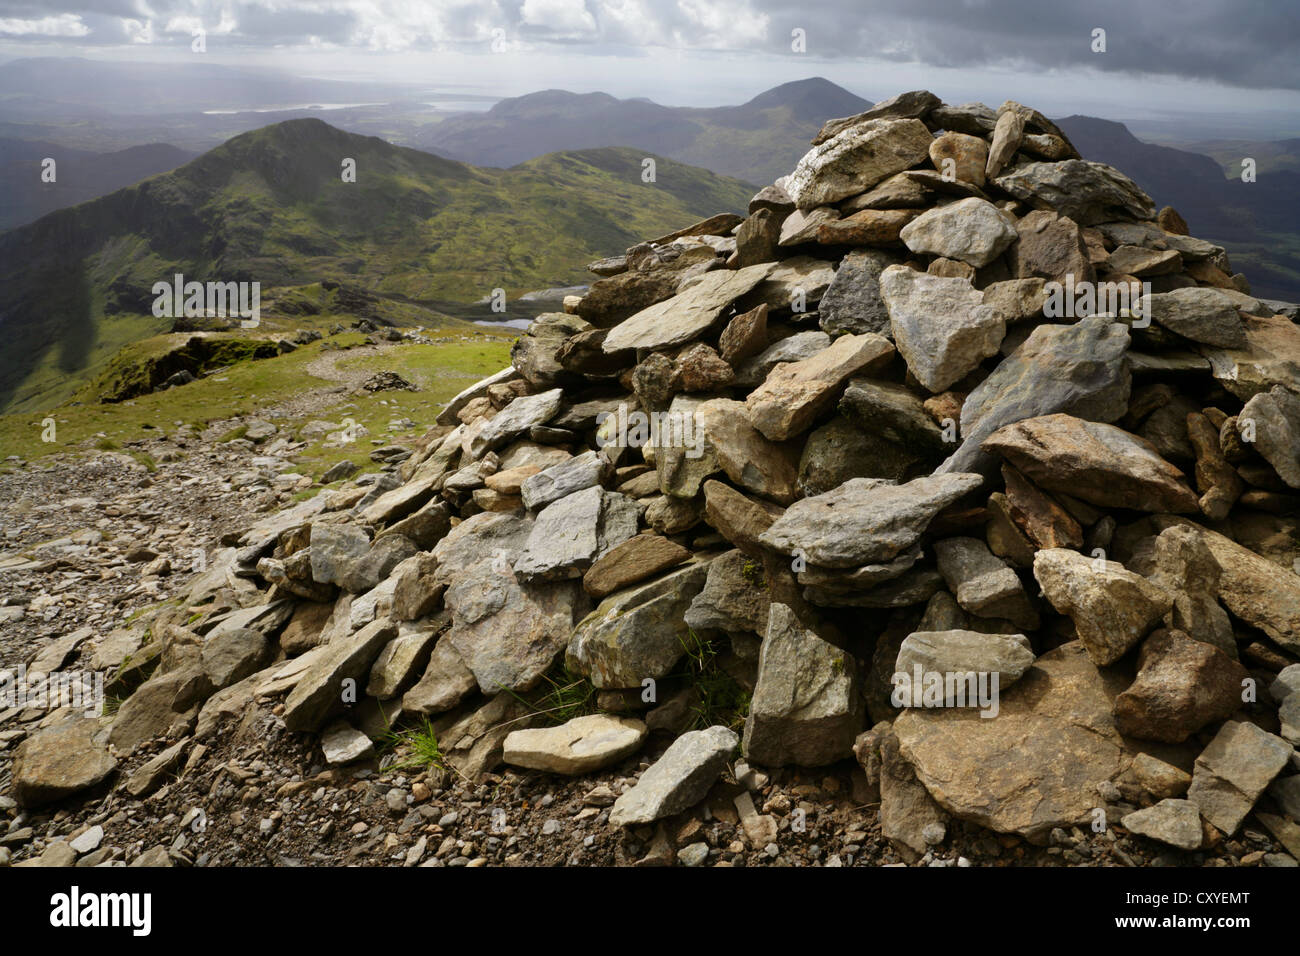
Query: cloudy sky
column 1202, row 56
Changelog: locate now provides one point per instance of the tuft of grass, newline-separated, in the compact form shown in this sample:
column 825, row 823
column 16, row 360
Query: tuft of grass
column 720, row 699
column 418, row 746
column 150, row 465
column 237, row 432
column 107, row 444
column 568, row 695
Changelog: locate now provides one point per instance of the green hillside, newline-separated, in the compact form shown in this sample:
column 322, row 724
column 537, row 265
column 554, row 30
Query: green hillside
column 270, row 206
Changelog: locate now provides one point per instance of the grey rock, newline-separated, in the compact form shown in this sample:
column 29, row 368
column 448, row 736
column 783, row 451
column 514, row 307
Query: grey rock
column 446, row 682
column 341, row 743
column 1112, row 608
column 582, row 745
column 400, row 659
column 1176, row 822
column 149, row 777
column 734, row 597
column 864, row 521
column 941, row 326
column 852, row 302
column 319, row 691
column 58, row 761
column 1201, row 314
column 1274, row 417
column 855, row 159
column 893, row 412
column 793, row 348
column 677, row 780
column 515, row 420
column 582, row 471
column 806, row 708
column 915, row 104
column 975, row 119
column 509, row 633
column 983, row 583
column 965, row 652
column 906, row 808
column 1231, row 773
column 686, row 315
column 639, row 632
column 573, row 532
column 971, row 230
column 1087, row 192
column 487, row 536
column 1079, row 369
column 231, row 656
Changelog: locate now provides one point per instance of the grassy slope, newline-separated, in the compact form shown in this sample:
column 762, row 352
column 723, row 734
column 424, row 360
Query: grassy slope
column 441, row 370
column 270, row 206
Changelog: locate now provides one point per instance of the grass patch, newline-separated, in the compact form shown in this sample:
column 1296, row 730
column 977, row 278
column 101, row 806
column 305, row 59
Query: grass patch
column 567, row 695
column 721, row 700
column 415, row 748
column 441, row 370
column 150, row 465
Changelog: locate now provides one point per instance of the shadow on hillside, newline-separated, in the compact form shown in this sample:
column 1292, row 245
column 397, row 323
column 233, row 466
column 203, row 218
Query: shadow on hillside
column 55, row 315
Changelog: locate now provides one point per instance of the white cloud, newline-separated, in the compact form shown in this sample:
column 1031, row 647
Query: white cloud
column 726, row 24
column 63, row 25
column 568, row 18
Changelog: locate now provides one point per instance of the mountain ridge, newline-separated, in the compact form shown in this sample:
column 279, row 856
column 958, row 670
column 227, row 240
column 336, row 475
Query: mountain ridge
column 270, row 206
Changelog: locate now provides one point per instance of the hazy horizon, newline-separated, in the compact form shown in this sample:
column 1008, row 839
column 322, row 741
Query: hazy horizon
column 1190, row 64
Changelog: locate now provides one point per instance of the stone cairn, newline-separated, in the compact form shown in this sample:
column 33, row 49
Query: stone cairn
column 969, row 464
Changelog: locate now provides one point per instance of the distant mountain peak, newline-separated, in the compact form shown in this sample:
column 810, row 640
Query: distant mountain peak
column 815, row 96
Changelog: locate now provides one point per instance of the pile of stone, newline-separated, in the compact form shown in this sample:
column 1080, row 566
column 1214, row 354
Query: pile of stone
column 950, row 402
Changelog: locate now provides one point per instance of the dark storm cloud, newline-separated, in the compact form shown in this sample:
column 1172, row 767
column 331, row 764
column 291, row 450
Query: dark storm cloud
column 1248, row 43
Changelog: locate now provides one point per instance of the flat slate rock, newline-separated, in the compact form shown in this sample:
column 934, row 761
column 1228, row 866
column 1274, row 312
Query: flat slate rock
column 686, row 315
column 1038, row 764
column 865, row 520
column 678, row 780
column 582, row 745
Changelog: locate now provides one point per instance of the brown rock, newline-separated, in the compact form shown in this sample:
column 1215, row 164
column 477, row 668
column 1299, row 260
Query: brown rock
column 1038, row 515
column 1051, row 247
column 1007, row 135
column 1097, row 463
column 1038, row 764
column 962, row 155
column 633, row 560
column 701, row 369
column 1170, row 221
column 1218, row 481
column 738, row 519
column 1182, row 685
column 508, row 482
column 951, row 269
column 744, row 336
column 870, row 227
column 1143, row 262
column 304, row 629
column 796, row 393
